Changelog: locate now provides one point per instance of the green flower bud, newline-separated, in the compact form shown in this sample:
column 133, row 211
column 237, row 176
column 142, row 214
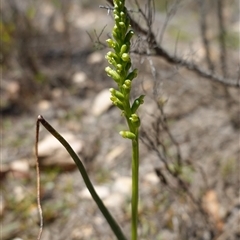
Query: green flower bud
column 119, row 67
column 117, row 3
column 126, row 57
column 116, row 36
column 120, row 3
column 122, row 24
column 135, row 119
column 112, row 55
column 116, row 17
column 128, row 134
column 119, row 104
column 126, row 87
column 111, row 43
column 110, row 59
column 113, row 74
column 112, row 90
column 116, row 33
column 117, row 94
column 137, row 102
column 124, row 49
column 113, row 99
column 115, row 28
column 127, row 84
column 112, row 62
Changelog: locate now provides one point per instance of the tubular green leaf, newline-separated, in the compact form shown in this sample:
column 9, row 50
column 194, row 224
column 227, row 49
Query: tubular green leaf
column 111, row 221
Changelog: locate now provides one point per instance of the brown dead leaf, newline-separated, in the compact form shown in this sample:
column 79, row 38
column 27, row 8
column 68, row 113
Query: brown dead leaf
column 212, row 207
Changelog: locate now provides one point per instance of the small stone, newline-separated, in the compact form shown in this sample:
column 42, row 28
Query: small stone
column 83, row 232
column 101, row 102
column 20, row 165
column 20, row 168
column 151, row 178
column 102, row 192
column 44, row 105
column 123, row 185
column 114, row 200
column 52, row 153
column 59, row 24
column 94, row 58
column 50, row 145
column 112, row 155
column 79, row 77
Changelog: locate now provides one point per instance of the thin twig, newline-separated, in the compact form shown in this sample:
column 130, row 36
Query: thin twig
column 38, row 182
column 161, row 52
column 97, row 42
column 203, row 28
column 169, row 15
column 182, row 184
column 222, row 37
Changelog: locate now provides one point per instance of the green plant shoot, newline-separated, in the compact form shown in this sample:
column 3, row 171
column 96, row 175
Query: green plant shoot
column 120, row 70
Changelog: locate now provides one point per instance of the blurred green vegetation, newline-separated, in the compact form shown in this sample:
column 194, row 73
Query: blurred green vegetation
column 232, row 40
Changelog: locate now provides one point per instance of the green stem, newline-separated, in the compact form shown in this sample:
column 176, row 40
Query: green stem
column 135, row 170
column 111, row 221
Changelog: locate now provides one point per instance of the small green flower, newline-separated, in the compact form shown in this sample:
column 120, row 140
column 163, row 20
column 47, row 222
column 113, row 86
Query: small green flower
column 126, row 57
column 119, row 68
column 121, row 72
column 127, row 86
column 127, row 134
column 111, row 43
column 113, row 74
column 134, row 118
column 117, row 94
column 124, row 49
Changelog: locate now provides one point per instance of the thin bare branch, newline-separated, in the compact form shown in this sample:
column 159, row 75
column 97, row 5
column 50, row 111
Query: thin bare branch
column 222, row 36
column 97, row 42
column 157, row 50
column 38, row 182
column 192, row 67
column 203, row 29
column 170, row 12
column 154, row 144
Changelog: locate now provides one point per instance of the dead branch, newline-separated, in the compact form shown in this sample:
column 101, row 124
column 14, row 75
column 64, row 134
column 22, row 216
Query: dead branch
column 222, row 36
column 203, row 28
column 159, row 51
column 38, row 182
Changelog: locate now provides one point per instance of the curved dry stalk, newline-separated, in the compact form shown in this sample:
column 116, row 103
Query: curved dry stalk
column 38, row 183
